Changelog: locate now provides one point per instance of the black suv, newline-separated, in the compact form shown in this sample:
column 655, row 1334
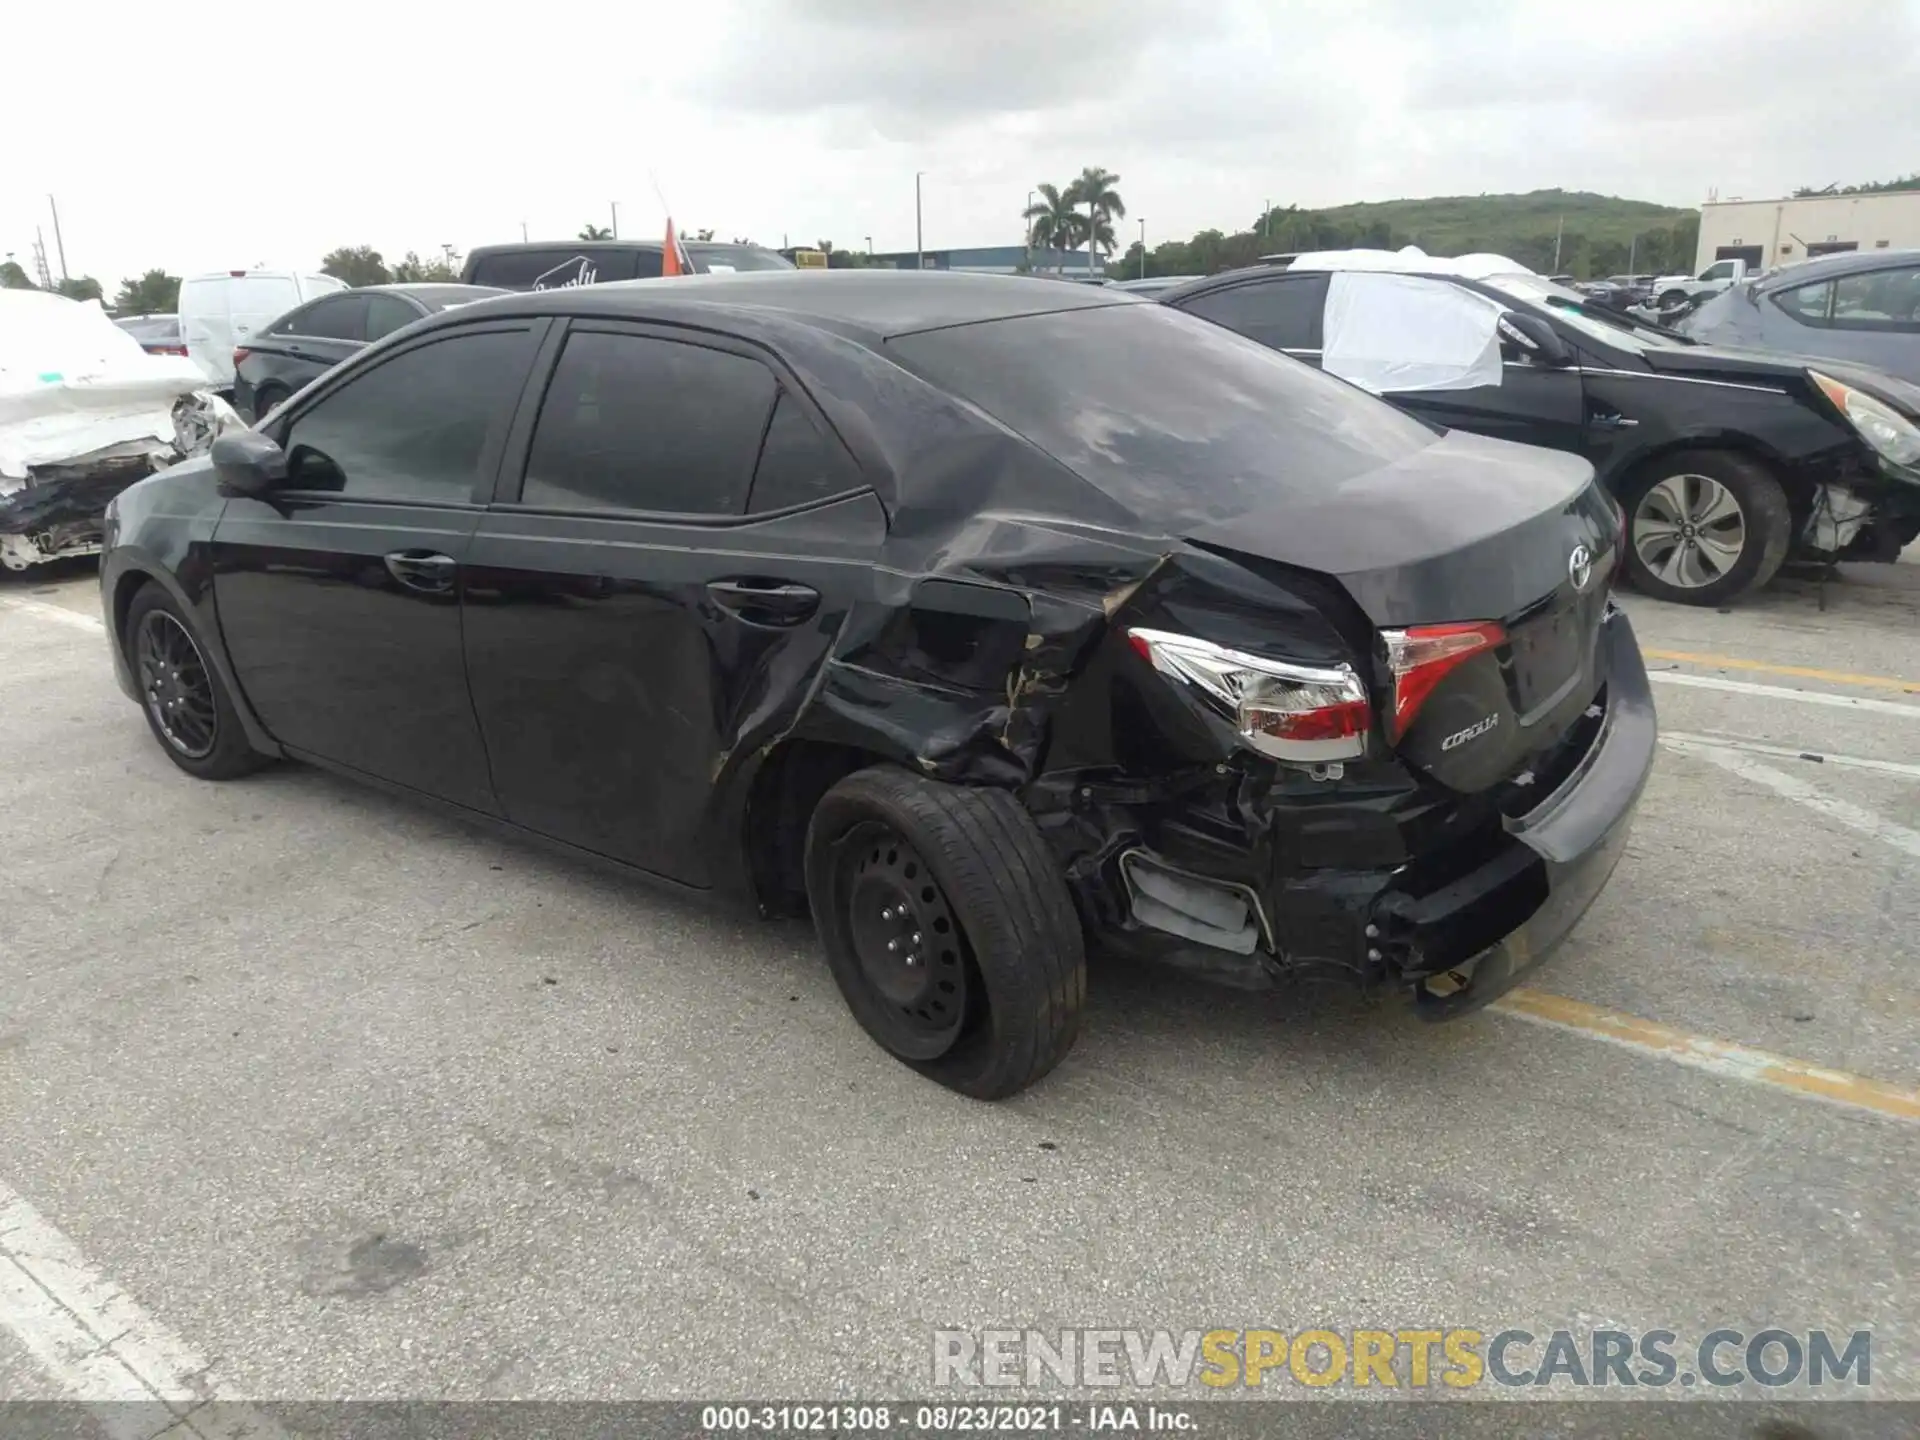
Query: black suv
column 558, row 264
column 1728, row 462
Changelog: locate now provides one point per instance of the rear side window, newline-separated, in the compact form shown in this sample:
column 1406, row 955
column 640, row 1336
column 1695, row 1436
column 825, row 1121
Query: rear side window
column 797, row 463
column 553, row 267
column 1878, row 300
column 1283, row 313
column 414, row 427
column 631, row 422
column 338, row 317
column 1179, row 420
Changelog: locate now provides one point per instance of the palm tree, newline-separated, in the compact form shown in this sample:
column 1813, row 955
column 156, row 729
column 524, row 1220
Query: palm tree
column 595, row 232
column 1095, row 194
column 1051, row 221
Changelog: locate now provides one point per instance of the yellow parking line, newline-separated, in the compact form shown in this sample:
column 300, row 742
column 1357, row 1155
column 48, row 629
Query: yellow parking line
column 1719, row 1057
column 1801, row 672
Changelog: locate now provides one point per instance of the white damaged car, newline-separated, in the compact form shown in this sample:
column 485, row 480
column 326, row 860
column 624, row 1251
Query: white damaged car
column 84, row 413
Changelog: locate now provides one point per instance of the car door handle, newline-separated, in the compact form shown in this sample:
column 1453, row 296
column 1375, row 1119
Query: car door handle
column 765, row 603
column 422, row 570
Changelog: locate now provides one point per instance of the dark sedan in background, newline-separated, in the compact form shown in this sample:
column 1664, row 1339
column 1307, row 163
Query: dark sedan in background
column 306, row 342
column 841, row 592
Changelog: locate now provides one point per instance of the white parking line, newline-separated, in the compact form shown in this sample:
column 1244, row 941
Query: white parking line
column 60, row 613
column 1854, row 817
column 1683, row 740
column 1781, row 692
column 96, row 1343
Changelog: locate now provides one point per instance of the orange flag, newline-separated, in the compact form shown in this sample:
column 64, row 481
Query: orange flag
column 670, row 262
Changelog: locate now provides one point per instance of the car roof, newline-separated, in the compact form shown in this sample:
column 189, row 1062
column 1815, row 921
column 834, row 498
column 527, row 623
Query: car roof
column 877, row 304
column 1847, row 262
column 428, row 290
column 589, row 247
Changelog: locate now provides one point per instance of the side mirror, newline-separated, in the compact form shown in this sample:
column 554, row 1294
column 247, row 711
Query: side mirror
column 249, row 462
column 1536, row 337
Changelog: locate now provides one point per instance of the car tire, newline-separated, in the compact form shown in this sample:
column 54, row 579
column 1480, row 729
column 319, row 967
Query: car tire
column 264, row 399
column 1672, row 298
column 1686, row 509
column 185, row 701
column 985, row 992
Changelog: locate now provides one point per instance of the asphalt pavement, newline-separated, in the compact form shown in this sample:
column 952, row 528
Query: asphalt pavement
column 352, row 1102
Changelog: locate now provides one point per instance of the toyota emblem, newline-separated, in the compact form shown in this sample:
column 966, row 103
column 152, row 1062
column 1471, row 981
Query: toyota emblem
column 1580, row 567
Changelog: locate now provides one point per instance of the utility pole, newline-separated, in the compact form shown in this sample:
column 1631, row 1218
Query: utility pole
column 615, row 205
column 1558, row 230
column 1026, row 239
column 59, row 244
column 919, row 233
column 1633, row 246
column 523, row 232
column 1143, row 249
column 1266, row 221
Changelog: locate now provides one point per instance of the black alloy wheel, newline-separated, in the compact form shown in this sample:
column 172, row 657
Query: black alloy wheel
column 911, row 955
column 175, row 686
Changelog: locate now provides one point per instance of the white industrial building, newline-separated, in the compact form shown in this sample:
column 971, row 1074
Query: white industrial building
column 1766, row 233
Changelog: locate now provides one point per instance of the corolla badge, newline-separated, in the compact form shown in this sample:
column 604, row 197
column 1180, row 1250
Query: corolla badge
column 1580, row 567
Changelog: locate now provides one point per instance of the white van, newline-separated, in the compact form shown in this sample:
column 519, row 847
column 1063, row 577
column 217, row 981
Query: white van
column 219, row 311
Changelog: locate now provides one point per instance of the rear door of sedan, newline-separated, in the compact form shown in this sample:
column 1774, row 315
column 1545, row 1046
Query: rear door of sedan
column 677, row 540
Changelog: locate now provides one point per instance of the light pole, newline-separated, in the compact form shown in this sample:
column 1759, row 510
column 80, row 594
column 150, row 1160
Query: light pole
column 1026, row 239
column 615, row 206
column 1143, row 248
column 919, row 237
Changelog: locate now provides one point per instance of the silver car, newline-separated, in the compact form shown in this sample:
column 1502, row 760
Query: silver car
column 1858, row 306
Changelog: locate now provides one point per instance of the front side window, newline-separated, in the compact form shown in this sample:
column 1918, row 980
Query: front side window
column 1809, row 304
column 386, row 315
column 413, row 427
column 635, row 423
column 1283, row 313
column 1722, row 270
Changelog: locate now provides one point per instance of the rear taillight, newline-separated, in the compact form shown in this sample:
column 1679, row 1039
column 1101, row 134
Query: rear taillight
column 240, row 354
column 170, row 350
column 1424, row 655
column 1302, row 714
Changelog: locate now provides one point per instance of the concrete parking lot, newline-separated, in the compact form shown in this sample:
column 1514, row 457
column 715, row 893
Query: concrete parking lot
column 348, row 1101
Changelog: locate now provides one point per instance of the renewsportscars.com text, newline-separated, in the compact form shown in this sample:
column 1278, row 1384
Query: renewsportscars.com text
column 1415, row 1359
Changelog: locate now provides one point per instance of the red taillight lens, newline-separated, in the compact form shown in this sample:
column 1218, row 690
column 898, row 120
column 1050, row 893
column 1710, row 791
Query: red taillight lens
column 240, row 354
column 1305, row 714
column 180, row 350
column 1423, row 656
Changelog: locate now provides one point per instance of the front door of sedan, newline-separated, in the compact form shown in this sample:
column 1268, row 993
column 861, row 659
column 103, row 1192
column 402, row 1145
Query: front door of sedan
column 655, row 594
column 338, row 594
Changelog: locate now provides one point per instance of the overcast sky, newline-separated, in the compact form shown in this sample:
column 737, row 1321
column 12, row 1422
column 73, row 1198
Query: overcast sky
column 272, row 134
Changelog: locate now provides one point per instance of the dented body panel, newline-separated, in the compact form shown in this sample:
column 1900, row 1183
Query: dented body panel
column 964, row 608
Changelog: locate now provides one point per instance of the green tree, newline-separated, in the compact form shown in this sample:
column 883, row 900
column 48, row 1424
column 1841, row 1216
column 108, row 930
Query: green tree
column 1051, row 222
column 154, row 293
column 12, row 277
column 595, row 232
column 1095, row 192
column 357, row 265
column 80, row 287
column 706, row 234
column 412, row 270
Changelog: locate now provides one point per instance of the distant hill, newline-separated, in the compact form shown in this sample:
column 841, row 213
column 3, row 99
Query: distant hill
column 1599, row 234
column 1455, row 224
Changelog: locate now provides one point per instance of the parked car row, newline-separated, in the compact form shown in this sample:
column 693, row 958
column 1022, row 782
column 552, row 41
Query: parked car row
column 1728, row 462
column 842, row 594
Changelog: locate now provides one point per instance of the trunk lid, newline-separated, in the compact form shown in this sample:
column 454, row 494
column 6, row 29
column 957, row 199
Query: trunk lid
column 1466, row 531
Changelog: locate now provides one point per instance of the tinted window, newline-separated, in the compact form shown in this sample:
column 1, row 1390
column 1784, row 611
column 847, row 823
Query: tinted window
column 1283, row 313
column 553, row 267
column 385, row 314
column 634, row 423
column 413, row 427
column 1809, row 304
column 338, row 317
column 1878, row 300
column 717, row 259
column 1721, row 270
column 1164, row 413
column 798, row 463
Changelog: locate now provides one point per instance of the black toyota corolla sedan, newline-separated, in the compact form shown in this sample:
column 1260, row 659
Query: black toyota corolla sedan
column 982, row 619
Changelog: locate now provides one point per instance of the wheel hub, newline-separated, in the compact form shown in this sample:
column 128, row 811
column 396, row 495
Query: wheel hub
column 1689, row 530
column 904, row 936
column 175, row 686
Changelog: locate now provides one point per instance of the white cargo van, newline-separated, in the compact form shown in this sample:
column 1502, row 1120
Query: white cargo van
column 219, row 311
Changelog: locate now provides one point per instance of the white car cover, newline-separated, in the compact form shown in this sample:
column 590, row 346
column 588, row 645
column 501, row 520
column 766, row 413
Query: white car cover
column 1410, row 259
column 74, row 385
column 1393, row 332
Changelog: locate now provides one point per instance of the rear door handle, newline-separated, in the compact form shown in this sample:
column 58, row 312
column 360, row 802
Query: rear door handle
column 422, row 570
column 765, row 603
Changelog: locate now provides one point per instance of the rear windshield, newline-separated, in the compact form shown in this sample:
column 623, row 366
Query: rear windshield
column 718, row 259
column 1172, row 416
